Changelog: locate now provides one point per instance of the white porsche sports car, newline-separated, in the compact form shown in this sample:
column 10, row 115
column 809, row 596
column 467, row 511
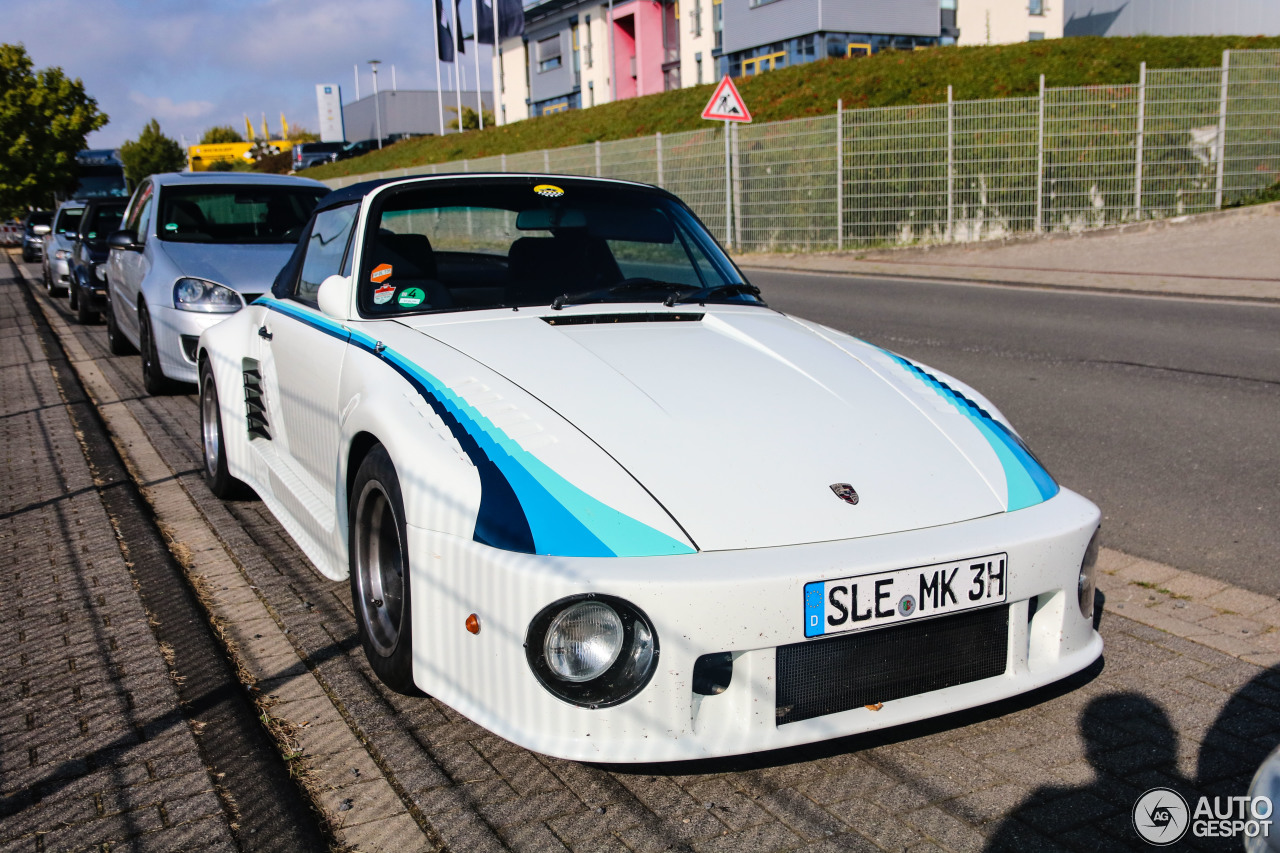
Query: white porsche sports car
column 594, row 494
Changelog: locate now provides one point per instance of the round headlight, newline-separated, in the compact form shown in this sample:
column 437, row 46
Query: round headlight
column 583, row 641
column 1088, row 578
column 592, row 650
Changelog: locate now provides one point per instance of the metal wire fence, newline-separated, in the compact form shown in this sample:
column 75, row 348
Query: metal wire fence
column 1177, row 141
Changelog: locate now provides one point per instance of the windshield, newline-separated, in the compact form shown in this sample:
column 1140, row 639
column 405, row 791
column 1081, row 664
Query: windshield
column 102, row 221
column 226, row 213
column 69, row 220
column 521, row 242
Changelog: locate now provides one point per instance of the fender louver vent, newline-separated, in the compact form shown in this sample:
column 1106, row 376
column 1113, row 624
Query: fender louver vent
column 647, row 317
column 255, row 407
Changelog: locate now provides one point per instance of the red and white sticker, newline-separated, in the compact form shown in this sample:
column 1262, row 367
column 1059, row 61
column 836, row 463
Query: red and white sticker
column 381, row 272
column 383, row 294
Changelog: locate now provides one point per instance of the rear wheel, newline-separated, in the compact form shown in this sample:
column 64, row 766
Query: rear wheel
column 379, row 563
column 84, row 314
column 73, row 298
column 212, row 443
column 153, row 378
column 116, row 342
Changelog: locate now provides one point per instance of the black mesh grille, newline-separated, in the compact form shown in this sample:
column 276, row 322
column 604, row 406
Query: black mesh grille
column 826, row 676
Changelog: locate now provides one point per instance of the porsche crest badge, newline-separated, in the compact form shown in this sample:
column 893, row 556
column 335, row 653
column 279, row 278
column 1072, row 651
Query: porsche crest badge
column 845, row 492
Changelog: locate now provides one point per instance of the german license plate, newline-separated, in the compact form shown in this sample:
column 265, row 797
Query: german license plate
column 872, row 601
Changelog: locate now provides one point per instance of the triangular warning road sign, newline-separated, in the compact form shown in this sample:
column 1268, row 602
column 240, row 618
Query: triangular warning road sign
column 726, row 104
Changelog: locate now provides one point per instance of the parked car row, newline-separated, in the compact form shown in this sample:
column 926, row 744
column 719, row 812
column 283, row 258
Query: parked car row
column 308, row 154
column 586, row 487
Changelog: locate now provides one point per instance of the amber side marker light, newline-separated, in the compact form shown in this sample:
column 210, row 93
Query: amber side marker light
column 473, row 624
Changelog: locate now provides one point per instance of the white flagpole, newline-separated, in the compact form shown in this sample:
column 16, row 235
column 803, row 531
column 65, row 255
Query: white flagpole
column 497, row 55
column 435, row 29
column 475, row 28
column 457, row 61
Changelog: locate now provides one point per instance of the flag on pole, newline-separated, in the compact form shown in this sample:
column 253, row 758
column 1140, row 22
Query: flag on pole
column 444, row 34
column 510, row 20
column 457, row 20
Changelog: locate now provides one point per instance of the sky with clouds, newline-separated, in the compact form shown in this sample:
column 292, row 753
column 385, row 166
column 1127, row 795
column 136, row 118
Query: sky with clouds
column 193, row 64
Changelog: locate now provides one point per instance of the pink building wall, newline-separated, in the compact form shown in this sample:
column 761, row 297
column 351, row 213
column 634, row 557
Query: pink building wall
column 637, row 33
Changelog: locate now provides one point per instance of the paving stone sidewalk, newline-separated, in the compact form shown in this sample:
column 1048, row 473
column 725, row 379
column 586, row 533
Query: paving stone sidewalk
column 95, row 752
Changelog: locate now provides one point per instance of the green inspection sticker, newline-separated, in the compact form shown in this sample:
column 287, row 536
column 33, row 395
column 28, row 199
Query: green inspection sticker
column 411, row 298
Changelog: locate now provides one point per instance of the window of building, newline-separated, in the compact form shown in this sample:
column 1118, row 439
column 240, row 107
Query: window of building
column 549, row 54
column 695, row 22
column 755, row 3
column 1035, row 36
column 697, row 61
column 577, row 68
column 502, row 72
column 717, row 23
column 765, row 62
column 587, row 23
column 1035, row 7
column 670, row 79
column 591, row 93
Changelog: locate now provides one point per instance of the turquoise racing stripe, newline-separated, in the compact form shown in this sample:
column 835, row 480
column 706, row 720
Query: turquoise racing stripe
column 564, row 520
column 1027, row 481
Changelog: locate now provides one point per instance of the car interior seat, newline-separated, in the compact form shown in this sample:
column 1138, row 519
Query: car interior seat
column 541, row 268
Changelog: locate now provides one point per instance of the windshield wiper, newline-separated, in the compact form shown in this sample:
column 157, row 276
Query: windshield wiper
column 630, row 285
column 702, row 294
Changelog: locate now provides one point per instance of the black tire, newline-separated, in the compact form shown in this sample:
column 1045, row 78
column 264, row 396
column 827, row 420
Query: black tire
column 379, row 564
column 213, row 445
column 153, row 378
column 27, row 257
column 84, row 314
column 73, row 295
column 117, row 343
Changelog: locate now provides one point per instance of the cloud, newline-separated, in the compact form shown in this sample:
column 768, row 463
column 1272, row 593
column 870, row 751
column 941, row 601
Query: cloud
column 165, row 109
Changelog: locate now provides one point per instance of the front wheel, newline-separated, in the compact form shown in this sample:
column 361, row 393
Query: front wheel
column 212, row 441
column 153, row 378
column 379, row 563
column 116, row 341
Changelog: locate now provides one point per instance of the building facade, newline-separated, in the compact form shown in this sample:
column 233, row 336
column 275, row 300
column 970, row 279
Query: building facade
column 1164, row 18
column 1007, row 21
column 579, row 53
column 406, row 111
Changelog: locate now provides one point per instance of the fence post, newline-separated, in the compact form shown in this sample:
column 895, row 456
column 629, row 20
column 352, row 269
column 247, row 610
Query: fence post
column 658, row 146
column 728, row 189
column 737, row 189
column 546, row 160
column 1142, row 117
column 599, row 171
column 1040, row 161
column 839, row 173
column 951, row 116
column 1222, row 130
column 504, row 162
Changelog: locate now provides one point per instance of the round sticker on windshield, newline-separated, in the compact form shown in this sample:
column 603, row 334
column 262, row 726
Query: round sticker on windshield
column 381, row 272
column 548, row 190
column 411, row 298
column 383, row 294
column 171, row 226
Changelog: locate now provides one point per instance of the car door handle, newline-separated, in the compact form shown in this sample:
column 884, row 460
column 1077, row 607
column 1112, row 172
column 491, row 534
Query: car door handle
column 264, row 333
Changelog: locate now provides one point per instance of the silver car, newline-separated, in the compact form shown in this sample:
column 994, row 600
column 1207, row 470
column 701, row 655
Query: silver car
column 193, row 248
column 57, row 247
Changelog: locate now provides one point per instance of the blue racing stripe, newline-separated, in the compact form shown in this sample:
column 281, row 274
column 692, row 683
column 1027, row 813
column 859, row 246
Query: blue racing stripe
column 525, row 505
column 1027, row 481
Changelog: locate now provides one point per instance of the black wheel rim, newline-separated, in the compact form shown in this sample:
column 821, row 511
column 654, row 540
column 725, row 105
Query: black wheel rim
column 379, row 568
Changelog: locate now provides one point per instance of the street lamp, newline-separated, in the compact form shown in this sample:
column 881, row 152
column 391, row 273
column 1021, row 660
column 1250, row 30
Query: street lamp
column 377, row 111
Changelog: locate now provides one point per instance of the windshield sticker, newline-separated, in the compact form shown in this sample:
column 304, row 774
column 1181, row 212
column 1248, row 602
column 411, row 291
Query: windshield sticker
column 548, row 190
column 383, row 294
column 172, row 226
column 411, row 298
column 381, row 272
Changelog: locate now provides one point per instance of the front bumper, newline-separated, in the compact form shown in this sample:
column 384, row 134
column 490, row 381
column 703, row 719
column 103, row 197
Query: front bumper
column 170, row 326
column 747, row 603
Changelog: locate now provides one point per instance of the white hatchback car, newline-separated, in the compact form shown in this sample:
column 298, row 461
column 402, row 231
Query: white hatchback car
column 57, row 247
column 193, row 248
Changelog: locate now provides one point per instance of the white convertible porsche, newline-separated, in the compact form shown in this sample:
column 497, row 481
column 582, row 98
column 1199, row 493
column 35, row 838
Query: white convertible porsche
column 594, row 494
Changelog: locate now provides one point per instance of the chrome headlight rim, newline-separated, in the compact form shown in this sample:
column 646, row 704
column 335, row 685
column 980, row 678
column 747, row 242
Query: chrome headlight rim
column 628, row 674
column 198, row 295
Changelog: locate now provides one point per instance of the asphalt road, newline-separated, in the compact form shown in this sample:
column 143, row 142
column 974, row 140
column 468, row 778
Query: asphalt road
column 1163, row 411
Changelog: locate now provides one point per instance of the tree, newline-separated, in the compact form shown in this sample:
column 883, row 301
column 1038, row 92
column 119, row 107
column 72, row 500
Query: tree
column 151, row 153
column 221, row 133
column 298, row 133
column 469, row 119
column 44, row 119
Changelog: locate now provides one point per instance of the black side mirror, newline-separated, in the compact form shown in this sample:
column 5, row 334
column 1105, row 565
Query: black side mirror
column 125, row 241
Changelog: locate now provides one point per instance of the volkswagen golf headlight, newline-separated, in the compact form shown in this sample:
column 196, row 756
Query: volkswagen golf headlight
column 592, row 650
column 196, row 294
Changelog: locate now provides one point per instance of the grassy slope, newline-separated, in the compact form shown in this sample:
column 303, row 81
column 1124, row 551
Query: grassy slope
column 886, row 79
